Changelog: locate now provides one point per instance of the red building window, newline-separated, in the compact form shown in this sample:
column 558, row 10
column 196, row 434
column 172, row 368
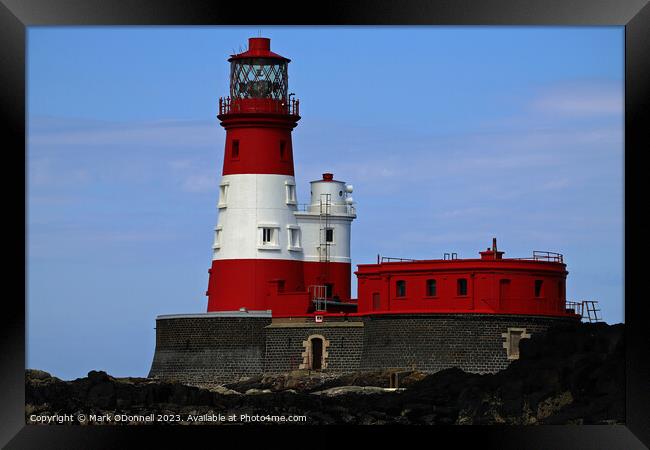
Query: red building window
column 401, row 288
column 431, row 288
column 283, row 150
column 539, row 284
column 461, row 287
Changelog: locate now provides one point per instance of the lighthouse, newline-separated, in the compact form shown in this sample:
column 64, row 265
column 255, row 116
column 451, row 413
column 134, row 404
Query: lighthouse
column 279, row 287
column 268, row 254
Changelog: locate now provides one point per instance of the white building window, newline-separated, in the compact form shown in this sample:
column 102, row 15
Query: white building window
column 329, row 235
column 268, row 237
column 290, row 193
column 223, row 194
column 293, row 234
column 217, row 237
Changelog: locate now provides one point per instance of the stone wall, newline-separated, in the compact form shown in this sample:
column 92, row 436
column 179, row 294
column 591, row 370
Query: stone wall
column 206, row 349
column 429, row 343
column 287, row 346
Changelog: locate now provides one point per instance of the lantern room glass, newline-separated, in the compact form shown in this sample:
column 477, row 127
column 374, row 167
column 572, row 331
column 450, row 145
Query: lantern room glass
column 258, row 78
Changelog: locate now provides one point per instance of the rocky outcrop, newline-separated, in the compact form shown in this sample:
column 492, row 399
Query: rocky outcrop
column 569, row 375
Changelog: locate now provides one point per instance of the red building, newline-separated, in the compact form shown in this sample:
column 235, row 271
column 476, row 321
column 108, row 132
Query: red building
column 490, row 284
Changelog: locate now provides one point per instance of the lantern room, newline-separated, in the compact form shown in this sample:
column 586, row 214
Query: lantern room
column 259, row 81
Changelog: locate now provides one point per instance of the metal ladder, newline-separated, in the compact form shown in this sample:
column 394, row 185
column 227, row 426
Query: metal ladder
column 324, row 219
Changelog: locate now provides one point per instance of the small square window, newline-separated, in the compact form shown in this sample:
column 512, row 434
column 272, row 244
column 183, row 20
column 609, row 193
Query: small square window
column 268, row 237
column 329, row 235
column 431, row 288
column 462, row 287
column 400, row 288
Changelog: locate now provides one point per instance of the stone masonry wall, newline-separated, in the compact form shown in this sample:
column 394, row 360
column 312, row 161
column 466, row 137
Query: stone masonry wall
column 213, row 350
column 430, row 343
column 208, row 350
column 285, row 348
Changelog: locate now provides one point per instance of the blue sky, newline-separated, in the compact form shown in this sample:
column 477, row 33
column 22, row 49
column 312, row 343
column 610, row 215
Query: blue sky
column 450, row 135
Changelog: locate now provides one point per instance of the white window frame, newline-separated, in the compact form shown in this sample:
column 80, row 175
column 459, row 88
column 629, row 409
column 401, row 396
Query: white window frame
column 218, row 230
column 274, row 244
column 294, row 230
column 223, row 194
column 290, row 194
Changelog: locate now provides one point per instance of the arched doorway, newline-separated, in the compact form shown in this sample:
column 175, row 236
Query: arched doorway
column 316, row 354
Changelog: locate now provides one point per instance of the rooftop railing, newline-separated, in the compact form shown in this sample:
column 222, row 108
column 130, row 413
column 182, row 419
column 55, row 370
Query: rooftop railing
column 537, row 256
column 229, row 105
column 546, row 256
column 334, row 208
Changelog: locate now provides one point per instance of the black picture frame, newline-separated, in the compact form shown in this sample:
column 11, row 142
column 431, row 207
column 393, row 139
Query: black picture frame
column 16, row 15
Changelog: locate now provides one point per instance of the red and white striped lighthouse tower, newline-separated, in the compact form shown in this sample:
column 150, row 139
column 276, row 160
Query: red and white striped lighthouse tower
column 266, row 254
column 257, row 191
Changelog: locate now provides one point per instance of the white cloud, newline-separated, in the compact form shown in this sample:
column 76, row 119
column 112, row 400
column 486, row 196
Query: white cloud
column 179, row 134
column 582, row 99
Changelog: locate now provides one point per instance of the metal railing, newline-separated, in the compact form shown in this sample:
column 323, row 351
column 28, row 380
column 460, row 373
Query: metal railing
column 576, row 307
column 543, row 256
column 307, row 207
column 390, row 259
column 318, row 295
column 537, row 256
column 547, row 256
column 587, row 310
column 229, row 105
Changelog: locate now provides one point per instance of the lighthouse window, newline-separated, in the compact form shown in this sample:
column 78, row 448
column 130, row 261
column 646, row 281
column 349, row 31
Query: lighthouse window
column 223, row 194
column 400, row 288
column 294, row 239
column 329, row 235
column 234, row 150
column 431, row 288
column 538, row 287
column 461, row 286
column 283, row 150
column 217, row 238
column 266, row 235
column 291, row 194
